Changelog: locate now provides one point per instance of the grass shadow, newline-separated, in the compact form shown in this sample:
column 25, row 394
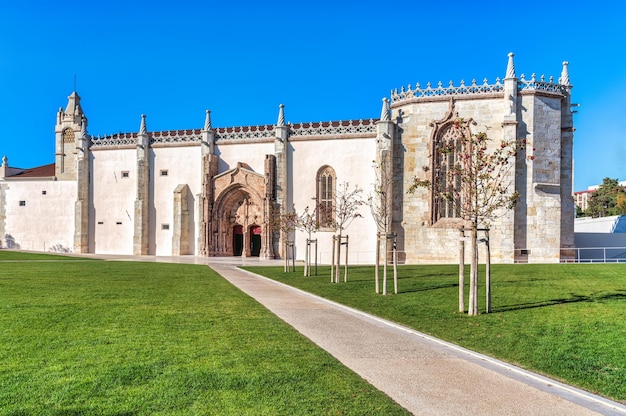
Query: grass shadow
column 552, row 302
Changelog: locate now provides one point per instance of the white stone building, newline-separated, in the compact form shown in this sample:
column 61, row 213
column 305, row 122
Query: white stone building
column 217, row 191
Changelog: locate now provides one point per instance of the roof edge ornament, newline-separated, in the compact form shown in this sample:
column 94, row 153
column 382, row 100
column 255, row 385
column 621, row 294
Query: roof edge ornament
column 510, row 67
column 281, row 116
column 564, row 80
column 142, row 127
column 385, row 113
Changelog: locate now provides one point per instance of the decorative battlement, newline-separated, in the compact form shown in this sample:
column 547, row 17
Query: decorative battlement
column 474, row 89
column 540, row 85
column 244, row 133
column 334, row 128
column 121, row 139
column 130, row 139
column 254, row 133
column 450, row 90
column 176, row 136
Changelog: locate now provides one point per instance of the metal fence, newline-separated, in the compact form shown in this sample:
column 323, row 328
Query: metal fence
column 595, row 255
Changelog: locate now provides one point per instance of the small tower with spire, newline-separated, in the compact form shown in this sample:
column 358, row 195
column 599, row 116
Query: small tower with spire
column 71, row 123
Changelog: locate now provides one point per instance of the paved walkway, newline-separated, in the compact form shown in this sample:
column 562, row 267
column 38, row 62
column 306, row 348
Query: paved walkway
column 423, row 374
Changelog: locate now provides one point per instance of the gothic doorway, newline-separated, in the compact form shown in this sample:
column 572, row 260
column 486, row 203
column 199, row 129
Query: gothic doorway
column 237, row 240
column 239, row 216
column 255, row 241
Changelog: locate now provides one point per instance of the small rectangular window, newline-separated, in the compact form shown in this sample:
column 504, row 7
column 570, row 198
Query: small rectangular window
column 119, row 223
column 22, row 203
column 43, row 192
column 100, row 222
column 165, row 226
column 125, row 174
column 163, row 172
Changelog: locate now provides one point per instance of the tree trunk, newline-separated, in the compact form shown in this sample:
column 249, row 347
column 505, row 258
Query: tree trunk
column 338, row 269
column 395, row 268
column 488, row 274
column 462, row 272
column 286, row 255
column 332, row 261
column 376, row 271
column 385, row 265
column 306, row 258
column 345, row 271
column 473, row 301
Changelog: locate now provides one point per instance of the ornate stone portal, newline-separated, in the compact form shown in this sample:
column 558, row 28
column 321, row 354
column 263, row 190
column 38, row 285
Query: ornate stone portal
column 239, row 223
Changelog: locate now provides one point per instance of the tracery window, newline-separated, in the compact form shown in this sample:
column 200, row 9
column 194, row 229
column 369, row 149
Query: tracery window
column 68, row 135
column 446, row 186
column 326, row 197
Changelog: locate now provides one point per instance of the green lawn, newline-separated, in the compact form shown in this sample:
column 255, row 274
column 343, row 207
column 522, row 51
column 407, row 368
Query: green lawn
column 128, row 338
column 564, row 320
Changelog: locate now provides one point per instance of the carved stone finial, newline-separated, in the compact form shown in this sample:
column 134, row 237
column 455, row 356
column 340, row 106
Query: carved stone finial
column 142, row 128
column 564, row 80
column 207, row 121
column 281, row 116
column 385, row 114
column 510, row 68
column 83, row 128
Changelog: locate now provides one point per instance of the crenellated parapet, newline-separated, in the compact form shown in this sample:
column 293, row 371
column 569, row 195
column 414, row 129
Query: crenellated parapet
column 334, row 128
column 540, row 84
column 523, row 84
column 450, row 90
column 261, row 133
column 158, row 137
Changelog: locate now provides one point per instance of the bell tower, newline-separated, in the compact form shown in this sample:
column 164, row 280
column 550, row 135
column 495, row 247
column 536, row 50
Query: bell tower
column 70, row 123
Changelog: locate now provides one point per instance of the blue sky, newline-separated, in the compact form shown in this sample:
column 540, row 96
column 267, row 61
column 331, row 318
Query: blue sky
column 325, row 60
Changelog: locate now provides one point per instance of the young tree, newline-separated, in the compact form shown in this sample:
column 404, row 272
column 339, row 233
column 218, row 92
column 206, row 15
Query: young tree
column 380, row 207
column 346, row 208
column 286, row 222
column 307, row 222
column 609, row 199
column 479, row 185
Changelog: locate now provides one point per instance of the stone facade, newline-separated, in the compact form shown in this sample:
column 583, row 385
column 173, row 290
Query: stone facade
column 218, row 191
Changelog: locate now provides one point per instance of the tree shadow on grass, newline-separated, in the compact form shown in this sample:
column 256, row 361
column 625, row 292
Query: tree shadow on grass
column 428, row 288
column 574, row 298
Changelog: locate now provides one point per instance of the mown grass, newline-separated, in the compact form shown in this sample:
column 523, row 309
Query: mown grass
column 567, row 321
column 127, row 338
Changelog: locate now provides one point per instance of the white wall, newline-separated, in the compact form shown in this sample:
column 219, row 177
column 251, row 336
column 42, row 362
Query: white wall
column 112, row 215
column 46, row 220
column 352, row 160
column 183, row 166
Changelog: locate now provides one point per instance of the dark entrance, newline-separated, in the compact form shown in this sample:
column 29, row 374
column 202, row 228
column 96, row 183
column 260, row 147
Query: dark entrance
column 255, row 241
column 237, row 240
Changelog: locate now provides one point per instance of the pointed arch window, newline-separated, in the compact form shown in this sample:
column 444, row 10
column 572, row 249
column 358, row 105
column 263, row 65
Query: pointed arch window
column 68, row 135
column 446, row 188
column 326, row 197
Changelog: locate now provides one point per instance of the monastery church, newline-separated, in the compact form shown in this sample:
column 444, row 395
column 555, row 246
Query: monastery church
column 216, row 191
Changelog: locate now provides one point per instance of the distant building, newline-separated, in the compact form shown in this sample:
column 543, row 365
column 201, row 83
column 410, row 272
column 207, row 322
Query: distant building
column 581, row 198
column 215, row 191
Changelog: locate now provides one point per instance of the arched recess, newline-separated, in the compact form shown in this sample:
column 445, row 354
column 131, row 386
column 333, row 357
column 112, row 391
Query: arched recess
column 238, row 211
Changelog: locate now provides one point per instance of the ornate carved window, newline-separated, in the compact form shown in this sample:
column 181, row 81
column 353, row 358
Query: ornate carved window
column 446, row 185
column 326, row 197
column 68, row 135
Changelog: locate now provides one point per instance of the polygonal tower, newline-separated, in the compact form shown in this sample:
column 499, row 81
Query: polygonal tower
column 70, row 124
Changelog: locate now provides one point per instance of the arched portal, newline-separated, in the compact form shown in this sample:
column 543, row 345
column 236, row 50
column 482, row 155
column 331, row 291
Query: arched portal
column 236, row 220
